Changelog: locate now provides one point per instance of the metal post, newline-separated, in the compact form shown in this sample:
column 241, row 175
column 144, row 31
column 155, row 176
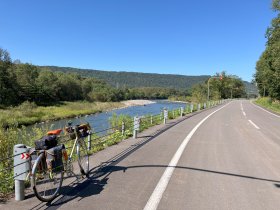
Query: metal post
column 134, row 133
column 151, row 119
column 21, row 169
column 191, row 108
column 165, row 115
column 19, row 190
column 208, row 89
column 136, row 126
column 173, row 114
column 182, row 110
column 122, row 128
column 89, row 142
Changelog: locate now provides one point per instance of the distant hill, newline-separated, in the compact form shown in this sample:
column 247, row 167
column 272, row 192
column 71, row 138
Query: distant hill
column 251, row 89
column 134, row 79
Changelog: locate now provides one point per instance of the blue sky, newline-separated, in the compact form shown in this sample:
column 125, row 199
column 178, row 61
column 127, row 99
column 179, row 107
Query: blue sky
column 154, row 36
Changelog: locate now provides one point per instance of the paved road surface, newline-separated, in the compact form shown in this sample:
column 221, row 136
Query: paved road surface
column 231, row 161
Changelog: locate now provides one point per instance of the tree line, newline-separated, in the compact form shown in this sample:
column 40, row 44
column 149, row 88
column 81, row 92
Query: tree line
column 135, row 79
column 267, row 74
column 221, row 86
column 25, row 82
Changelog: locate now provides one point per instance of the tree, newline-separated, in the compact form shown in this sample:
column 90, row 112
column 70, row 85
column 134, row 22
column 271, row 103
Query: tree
column 199, row 93
column 26, row 77
column 47, row 87
column 276, row 5
column 8, row 85
column 268, row 66
column 69, row 86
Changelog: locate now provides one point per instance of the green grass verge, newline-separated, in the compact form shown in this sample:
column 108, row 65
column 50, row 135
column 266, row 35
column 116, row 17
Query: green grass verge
column 269, row 104
column 28, row 113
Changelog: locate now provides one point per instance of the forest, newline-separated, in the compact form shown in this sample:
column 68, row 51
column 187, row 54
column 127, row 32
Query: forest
column 135, row 79
column 26, row 82
column 267, row 75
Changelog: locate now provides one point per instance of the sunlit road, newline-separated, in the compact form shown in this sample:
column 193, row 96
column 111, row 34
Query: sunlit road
column 229, row 160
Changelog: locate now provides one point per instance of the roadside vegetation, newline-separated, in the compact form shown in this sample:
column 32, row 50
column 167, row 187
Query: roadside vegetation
column 266, row 102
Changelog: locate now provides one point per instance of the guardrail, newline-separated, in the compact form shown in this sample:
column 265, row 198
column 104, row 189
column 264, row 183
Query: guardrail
column 20, row 161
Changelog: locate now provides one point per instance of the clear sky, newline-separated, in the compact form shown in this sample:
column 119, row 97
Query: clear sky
column 184, row 37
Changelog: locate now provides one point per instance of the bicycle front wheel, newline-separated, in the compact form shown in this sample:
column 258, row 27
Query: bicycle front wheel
column 83, row 157
column 46, row 183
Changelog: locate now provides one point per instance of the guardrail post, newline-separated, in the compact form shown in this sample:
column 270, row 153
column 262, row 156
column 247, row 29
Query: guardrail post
column 173, row 112
column 89, row 141
column 198, row 107
column 136, row 126
column 21, row 169
column 165, row 115
column 182, row 110
column 204, row 106
column 191, row 108
column 151, row 119
column 122, row 128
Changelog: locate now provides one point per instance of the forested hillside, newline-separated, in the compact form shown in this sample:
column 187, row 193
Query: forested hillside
column 133, row 79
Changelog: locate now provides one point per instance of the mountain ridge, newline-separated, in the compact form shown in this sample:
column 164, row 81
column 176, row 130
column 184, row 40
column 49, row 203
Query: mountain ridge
column 126, row 79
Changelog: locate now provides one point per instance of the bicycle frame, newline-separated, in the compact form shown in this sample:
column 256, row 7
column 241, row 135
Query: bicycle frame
column 76, row 144
column 69, row 161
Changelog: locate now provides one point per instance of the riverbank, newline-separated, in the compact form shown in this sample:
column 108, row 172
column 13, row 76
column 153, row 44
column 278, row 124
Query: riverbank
column 137, row 102
column 29, row 113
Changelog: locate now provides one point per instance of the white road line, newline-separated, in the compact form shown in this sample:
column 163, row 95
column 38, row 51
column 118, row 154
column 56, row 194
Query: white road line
column 254, row 124
column 265, row 110
column 244, row 113
column 241, row 106
column 156, row 196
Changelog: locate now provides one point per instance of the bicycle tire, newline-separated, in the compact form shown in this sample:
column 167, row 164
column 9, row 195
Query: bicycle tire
column 45, row 185
column 83, row 157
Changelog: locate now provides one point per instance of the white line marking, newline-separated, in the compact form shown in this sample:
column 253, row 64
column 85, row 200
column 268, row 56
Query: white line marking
column 265, row 110
column 244, row 113
column 241, row 106
column 254, row 124
column 156, row 196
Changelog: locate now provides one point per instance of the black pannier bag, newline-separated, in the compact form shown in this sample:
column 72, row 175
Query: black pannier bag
column 46, row 142
column 54, row 158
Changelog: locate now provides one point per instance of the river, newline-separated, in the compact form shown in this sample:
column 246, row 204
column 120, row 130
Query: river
column 100, row 121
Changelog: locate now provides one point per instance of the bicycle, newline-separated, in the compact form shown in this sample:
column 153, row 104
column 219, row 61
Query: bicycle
column 46, row 181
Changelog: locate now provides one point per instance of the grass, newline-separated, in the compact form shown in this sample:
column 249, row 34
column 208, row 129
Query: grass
column 269, row 104
column 28, row 113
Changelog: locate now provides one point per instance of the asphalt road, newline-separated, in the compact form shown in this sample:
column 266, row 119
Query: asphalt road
column 229, row 160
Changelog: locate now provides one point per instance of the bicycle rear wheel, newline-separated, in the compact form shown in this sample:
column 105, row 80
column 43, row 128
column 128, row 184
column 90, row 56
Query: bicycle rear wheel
column 83, row 157
column 46, row 183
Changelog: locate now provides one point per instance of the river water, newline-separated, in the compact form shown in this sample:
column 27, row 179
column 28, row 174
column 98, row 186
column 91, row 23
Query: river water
column 100, row 121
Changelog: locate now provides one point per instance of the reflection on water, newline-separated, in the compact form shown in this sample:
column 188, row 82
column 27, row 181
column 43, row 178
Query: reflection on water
column 100, row 121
